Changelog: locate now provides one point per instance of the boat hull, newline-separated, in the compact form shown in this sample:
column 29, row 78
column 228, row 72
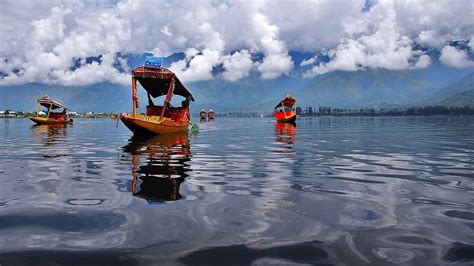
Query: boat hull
column 289, row 117
column 48, row 121
column 144, row 127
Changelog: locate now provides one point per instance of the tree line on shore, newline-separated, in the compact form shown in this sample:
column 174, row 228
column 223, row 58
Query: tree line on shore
column 330, row 111
column 308, row 111
column 424, row 110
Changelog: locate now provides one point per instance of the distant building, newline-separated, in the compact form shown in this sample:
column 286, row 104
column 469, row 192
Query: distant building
column 298, row 110
column 8, row 113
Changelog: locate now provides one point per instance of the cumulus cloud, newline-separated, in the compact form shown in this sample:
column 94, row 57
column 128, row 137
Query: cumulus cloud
column 308, row 62
column 237, row 65
column 53, row 41
column 375, row 41
column 198, row 67
column 276, row 61
column 423, row 61
column 471, row 43
column 454, row 57
column 52, row 53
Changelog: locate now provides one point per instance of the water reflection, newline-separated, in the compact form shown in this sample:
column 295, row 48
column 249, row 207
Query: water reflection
column 50, row 134
column 285, row 132
column 159, row 166
column 352, row 191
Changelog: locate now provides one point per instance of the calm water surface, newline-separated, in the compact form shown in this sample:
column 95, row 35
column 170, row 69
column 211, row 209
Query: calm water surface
column 241, row 191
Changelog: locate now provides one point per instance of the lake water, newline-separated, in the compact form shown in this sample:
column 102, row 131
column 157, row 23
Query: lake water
column 241, row 191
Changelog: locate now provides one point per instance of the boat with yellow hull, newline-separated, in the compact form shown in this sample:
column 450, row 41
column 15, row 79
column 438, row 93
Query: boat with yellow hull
column 159, row 119
column 49, row 121
column 51, row 117
column 141, row 124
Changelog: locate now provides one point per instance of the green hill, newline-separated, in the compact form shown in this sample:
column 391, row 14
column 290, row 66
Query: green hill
column 337, row 89
column 464, row 84
column 465, row 98
column 362, row 88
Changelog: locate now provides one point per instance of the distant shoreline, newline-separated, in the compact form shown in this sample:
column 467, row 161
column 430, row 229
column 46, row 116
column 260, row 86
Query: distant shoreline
column 308, row 111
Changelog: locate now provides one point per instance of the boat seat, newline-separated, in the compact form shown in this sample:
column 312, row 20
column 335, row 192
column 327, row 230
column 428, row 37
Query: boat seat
column 153, row 110
column 174, row 113
column 177, row 113
column 57, row 116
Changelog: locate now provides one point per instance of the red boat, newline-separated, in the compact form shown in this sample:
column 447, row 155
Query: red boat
column 285, row 111
column 164, row 119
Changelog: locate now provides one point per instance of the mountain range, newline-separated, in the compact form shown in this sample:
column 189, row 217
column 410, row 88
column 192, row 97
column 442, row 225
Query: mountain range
column 365, row 88
column 465, row 98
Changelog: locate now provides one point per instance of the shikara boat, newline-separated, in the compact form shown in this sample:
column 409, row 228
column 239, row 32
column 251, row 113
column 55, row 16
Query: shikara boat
column 203, row 115
column 165, row 119
column 51, row 117
column 285, row 111
column 211, row 115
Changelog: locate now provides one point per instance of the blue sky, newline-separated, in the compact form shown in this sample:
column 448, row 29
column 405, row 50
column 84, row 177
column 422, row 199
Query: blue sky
column 53, row 42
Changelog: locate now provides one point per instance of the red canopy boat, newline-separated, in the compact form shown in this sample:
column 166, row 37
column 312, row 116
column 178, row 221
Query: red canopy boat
column 285, row 110
column 158, row 81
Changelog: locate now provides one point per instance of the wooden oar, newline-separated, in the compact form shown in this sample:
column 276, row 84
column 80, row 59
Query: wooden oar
column 194, row 127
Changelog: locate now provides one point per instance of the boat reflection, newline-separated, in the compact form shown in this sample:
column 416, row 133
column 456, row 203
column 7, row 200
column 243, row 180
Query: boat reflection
column 49, row 134
column 285, row 132
column 159, row 166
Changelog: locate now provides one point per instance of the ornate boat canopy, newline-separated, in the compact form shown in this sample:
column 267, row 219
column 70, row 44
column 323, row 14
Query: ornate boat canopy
column 288, row 101
column 47, row 102
column 156, row 81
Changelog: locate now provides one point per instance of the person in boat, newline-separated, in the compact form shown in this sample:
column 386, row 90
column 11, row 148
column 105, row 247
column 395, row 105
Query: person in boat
column 51, row 117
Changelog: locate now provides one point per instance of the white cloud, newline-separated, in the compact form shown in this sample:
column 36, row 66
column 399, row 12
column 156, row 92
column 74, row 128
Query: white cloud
column 435, row 22
column 41, row 39
column 237, row 65
column 198, row 68
column 276, row 61
column 454, row 57
column 52, row 49
column 166, row 31
column 431, row 38
column 308, row 62
column 375, row 42
column 423, row 62
column 471, row 43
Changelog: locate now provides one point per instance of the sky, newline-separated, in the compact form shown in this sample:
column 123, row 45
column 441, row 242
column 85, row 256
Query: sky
column 86, row 42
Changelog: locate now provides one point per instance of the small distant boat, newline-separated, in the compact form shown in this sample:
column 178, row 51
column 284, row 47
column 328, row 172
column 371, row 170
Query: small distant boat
column 203, row 115
column 51, row 117
column 114, row 116
column 211, row 115
column 285, row 111
column 165, row 119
